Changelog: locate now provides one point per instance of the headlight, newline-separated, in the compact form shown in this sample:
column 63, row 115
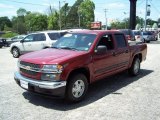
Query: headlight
column 52, row 68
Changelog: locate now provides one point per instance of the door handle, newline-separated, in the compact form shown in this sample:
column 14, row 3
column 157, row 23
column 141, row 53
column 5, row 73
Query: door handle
column 113, row 53
column 126, row 51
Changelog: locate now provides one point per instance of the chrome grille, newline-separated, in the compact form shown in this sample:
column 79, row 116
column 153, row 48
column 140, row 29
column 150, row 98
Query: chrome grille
column 31, row 65
column 28, row 72
column 29, row 69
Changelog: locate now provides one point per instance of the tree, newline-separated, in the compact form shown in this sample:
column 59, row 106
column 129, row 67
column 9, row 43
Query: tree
column 150, row 22
column 139, row 20
column 138, row 27
column 5, row 21
column 36, row 22
column 64, row 13
column 124, row 24
column 158, row 23
column 21, row 12
column 72, row 18
column 155, row 26
column 86, row 12
column 53, row 23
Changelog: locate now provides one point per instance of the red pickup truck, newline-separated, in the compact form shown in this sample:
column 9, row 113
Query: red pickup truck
column 76, row 60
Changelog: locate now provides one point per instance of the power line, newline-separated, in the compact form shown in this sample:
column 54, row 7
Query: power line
column 25, row 3
column 154, row 7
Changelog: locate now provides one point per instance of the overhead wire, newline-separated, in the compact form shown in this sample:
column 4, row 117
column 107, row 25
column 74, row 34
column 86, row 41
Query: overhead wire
column 26, row 3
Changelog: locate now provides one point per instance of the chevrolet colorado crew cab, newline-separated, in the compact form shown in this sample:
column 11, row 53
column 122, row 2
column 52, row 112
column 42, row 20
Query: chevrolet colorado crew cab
column 76, row 60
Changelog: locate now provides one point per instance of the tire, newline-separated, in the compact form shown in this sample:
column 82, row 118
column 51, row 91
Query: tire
column 135, row 68
column 144, row 40
column 76, row 88
column 15, row 52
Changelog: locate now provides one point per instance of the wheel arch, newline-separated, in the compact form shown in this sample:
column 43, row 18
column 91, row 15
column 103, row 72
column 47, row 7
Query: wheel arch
column 82, row 70
column 139, row 55
column 15, row 47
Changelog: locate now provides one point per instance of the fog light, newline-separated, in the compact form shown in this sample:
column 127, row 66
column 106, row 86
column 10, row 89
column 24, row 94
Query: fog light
column 50, row 77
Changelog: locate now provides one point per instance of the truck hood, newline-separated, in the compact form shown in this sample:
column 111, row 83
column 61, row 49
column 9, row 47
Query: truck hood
column 50, row 56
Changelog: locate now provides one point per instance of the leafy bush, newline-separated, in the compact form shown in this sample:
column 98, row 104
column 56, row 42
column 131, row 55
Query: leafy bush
column 9, row 35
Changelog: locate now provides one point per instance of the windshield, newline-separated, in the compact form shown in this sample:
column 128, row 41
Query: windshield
column 147, row 33
column 137, row 32
column 75, row 41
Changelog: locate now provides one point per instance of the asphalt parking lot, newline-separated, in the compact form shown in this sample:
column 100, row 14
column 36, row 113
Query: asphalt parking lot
column 119, row 97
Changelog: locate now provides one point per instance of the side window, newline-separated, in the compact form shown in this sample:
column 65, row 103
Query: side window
column 39, row 37
column 63, row 33
column 107, row 41
column 54, row 36
column 120, row 40
column 29, row 38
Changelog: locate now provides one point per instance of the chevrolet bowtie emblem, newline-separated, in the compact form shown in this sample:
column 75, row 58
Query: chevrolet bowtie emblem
column 28, row 67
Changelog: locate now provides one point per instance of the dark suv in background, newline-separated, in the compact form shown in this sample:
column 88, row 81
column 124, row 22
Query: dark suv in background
column 128, row 33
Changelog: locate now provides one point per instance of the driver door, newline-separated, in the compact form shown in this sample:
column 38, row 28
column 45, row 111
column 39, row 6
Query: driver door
column 27, row 43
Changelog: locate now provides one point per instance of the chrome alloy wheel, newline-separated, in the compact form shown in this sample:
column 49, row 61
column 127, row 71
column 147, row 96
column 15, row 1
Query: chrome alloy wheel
column 78, row 88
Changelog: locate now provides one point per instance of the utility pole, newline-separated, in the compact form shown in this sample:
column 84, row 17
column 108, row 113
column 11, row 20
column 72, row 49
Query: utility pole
column 105, row 11
column 59, row 15
column 79, row 17
column 51, row 15
column 145, row 23
column 132, row 20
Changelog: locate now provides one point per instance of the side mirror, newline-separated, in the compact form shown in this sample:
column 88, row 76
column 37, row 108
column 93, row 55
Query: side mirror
column 101, row 49
column 21, row 41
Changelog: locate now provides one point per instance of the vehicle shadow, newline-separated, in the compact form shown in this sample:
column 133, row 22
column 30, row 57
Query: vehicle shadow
column 96, row 91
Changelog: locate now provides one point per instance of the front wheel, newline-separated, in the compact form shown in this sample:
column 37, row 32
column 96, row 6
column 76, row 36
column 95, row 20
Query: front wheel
column 76, row 88
column 15, row 52
column 135, row 68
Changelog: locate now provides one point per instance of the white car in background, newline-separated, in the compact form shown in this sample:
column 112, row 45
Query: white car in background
column 138, row 35
column 148, row 36
column 35, row 41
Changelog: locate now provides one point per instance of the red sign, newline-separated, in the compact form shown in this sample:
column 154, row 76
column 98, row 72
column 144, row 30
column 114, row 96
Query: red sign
column 96, row 25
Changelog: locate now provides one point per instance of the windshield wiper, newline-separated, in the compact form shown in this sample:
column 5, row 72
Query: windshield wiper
column 68, row 48
column 55, row 47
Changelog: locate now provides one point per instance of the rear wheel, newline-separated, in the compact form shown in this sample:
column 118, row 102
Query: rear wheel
column 135, row 68
column 76, row 88
column 15, row 52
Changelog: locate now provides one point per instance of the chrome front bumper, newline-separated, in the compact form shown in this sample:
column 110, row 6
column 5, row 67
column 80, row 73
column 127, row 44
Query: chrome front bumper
column 41, row 84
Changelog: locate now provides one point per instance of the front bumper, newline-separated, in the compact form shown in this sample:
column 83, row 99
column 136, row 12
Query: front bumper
column 52, row 88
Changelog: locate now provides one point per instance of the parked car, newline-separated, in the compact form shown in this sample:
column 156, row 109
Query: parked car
column 138, row 35
column 148, row 36
column 128, row 33
column 15, row 39
column 3, row 43
column 76, row 60
column 155, row 33
column 35, row 41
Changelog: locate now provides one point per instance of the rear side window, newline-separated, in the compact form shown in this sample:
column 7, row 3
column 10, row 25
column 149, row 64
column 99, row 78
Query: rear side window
column 39, row 37
column 54, row 36
column 120, row 40
column 63, row 33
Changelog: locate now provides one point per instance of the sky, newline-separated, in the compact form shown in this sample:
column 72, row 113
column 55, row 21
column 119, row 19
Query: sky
column 116, row 9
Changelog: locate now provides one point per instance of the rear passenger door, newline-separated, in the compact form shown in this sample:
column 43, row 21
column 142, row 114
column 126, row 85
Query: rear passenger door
column 122, row 52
